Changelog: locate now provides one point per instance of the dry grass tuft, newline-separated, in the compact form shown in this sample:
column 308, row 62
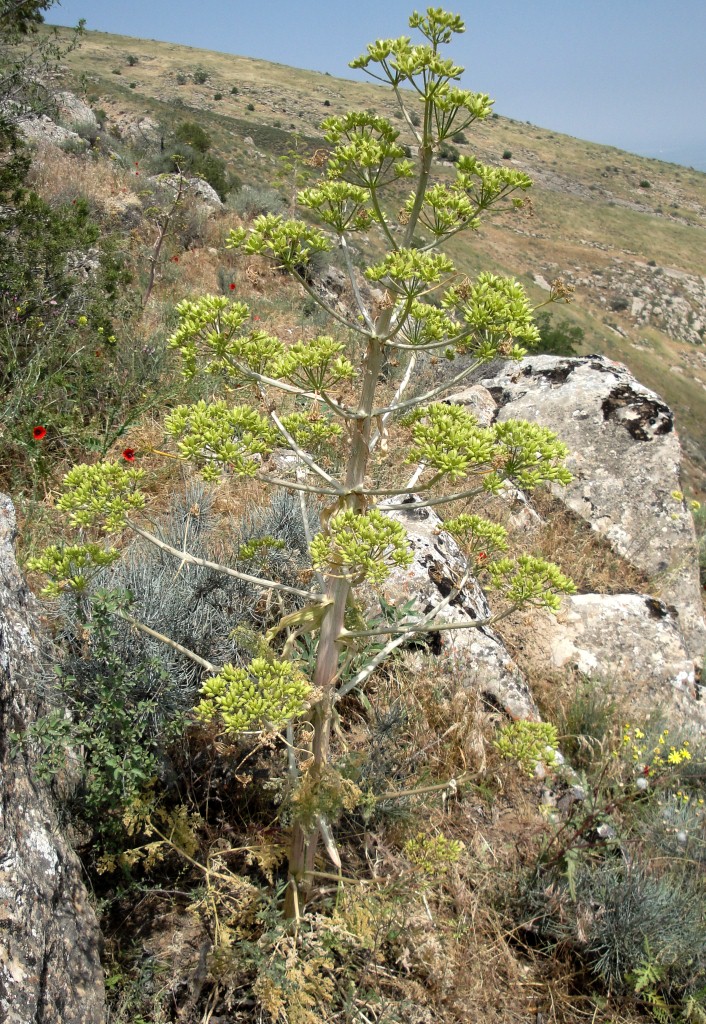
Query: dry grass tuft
column 581, row 553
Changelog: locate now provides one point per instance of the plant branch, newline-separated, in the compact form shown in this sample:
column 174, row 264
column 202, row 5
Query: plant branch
column 354, row 284
column 410, row 403
column 194, row 560
column 170, row 643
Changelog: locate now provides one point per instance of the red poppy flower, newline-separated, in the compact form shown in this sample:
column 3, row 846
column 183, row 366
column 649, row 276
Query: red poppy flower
column 481, row 556
column 39, row 433
column 256, row 318
column 175, row 259
column 129, row 454
column 231, row 286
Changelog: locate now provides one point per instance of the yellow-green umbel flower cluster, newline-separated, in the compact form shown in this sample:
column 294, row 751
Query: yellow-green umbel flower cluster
column 315, row 434
column 210, row 321
column 217, row 435
column 477, row 535
column 495, row 309
column 340, row 204
column 444, row 210
column 314, row 365
column 484, row 185
column 71, row 566
column 101, row 495
column 290, row 243
column 426, row 324
column 448, row 439
column 209, row 334
column 528, row 744
column 361, row 546
column 263, row 695
column 433, row 854
column 529, row 580
column 410, row 272
column 367, row 153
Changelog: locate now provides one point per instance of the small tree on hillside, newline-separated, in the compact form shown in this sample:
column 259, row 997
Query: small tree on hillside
column 299, row 674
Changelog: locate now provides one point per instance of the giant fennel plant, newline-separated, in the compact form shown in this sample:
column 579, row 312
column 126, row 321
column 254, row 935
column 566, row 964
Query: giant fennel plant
column 428, row 308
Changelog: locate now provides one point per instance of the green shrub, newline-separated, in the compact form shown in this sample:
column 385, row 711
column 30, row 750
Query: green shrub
column 132, row 60
column 65, row 300
column 191, row 155
column 507, row 154
column 645, row 183
column 193, row 135
column 133, row 85
column 181, row 78
column 460, row 138
column 108, row 727
column 218, row 95
column 250, row 106
column 234, row 90
column 558, row 338
column 448, row 152
column 200, row 76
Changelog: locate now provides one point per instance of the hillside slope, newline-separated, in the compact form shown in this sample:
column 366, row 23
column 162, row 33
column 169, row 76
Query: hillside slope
column 627, row 233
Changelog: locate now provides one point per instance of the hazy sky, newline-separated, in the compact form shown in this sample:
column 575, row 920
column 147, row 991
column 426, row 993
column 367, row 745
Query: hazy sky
column 628, row 73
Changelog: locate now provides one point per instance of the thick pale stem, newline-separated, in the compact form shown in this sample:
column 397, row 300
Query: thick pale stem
column 304, row 844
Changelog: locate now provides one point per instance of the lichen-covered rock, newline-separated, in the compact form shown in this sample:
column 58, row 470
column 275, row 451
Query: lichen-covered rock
column 630, row 640
column 626, row 458
column 195, row 187
column 41, row 128
column 50, row 970
column 472, row 657
column 73, row 111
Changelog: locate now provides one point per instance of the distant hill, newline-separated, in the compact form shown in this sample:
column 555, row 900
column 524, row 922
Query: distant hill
column 626, row 232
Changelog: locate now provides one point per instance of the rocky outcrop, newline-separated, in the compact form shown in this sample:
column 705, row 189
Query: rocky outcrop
column 50, row 970
column 76, row 114
column 643, row 295
column 632, row 641
column 197, row 188
column 625, row 456
column 73, row 122
column 472, row 657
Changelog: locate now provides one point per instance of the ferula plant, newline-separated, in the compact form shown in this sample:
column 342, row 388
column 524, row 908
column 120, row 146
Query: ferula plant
column 368, row 187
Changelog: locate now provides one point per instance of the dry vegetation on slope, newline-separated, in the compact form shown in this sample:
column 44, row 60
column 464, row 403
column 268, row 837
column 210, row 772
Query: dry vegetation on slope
column 627, row 232
column 475, row 940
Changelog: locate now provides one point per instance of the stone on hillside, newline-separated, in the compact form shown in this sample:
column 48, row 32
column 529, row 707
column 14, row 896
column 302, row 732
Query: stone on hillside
column 40, row 128
column 136, row 131
column 50, row 970
column 74, row 112
column 196, row 188
column 478, row 401
column 626, row 458
column 471, row 657
column 630, row 640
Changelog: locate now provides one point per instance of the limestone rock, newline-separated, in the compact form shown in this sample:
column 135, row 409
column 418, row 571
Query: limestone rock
column 625, row 456
column 473, row 657
column 40, row 128
column 74, row 112
column 197, row 188
column 140, row 131
column 50, row 970
column 631, row 638
column 478, row 401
